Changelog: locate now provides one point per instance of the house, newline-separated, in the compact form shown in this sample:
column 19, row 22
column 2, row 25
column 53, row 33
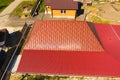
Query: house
column 61, row 8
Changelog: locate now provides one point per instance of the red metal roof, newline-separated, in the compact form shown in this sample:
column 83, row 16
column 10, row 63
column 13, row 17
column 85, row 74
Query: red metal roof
column 74, row 63
column 110, row 38
column 66, row 62
column 62, row 35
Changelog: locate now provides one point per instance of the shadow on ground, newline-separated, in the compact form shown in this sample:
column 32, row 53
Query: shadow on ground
column 14, row 38
column 80, row 11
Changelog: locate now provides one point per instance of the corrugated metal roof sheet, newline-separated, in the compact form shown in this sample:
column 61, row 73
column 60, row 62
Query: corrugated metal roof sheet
column 77, row 63
column 110, row 38
column 73, row 63
column 62, row 35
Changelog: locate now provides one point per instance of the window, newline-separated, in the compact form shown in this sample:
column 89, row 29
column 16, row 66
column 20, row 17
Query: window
column 63, row 11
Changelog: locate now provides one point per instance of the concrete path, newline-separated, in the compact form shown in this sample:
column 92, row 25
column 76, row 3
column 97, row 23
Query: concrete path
column 15, row 66
column 5, row 14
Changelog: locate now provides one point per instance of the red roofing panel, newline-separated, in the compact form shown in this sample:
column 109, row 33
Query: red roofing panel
column 116, row 30
column 110, row 38
column 66, row 62
column 69, row 63
column 62, row 35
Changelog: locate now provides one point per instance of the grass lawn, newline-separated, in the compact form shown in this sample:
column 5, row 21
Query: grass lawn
column 19, row 11
column 42, row 6
column 98, row 20
column 4, row 4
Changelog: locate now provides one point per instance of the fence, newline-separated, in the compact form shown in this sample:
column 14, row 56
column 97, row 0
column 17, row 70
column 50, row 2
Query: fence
column 12, row 52
column 36, row 8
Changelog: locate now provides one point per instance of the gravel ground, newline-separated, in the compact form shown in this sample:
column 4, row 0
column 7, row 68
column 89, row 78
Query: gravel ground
column 109, row 12
column 16, row 76
column 106, row 11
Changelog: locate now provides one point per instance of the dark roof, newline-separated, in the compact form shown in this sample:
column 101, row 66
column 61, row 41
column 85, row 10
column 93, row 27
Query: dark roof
column 62, row 4
column 47, row 2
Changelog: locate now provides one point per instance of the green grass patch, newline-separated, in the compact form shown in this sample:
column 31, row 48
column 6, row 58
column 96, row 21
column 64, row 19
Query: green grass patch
column 4, row 4
column 20, row 10
column 42, row 6
column 98, row 20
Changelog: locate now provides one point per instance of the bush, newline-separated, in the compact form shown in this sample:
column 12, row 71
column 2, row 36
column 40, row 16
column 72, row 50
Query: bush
column 42, row 6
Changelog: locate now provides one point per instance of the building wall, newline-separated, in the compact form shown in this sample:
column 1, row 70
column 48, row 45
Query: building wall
column 68, row 14
column 48, row 10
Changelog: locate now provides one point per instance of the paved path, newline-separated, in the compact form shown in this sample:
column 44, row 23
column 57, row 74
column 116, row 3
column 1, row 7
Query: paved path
column 15, row 66
column 5, row 14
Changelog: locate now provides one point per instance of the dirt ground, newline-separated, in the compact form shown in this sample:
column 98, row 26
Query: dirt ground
column 110, row 12
column 4, row 15
column 105, row 11
column 19, row 77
